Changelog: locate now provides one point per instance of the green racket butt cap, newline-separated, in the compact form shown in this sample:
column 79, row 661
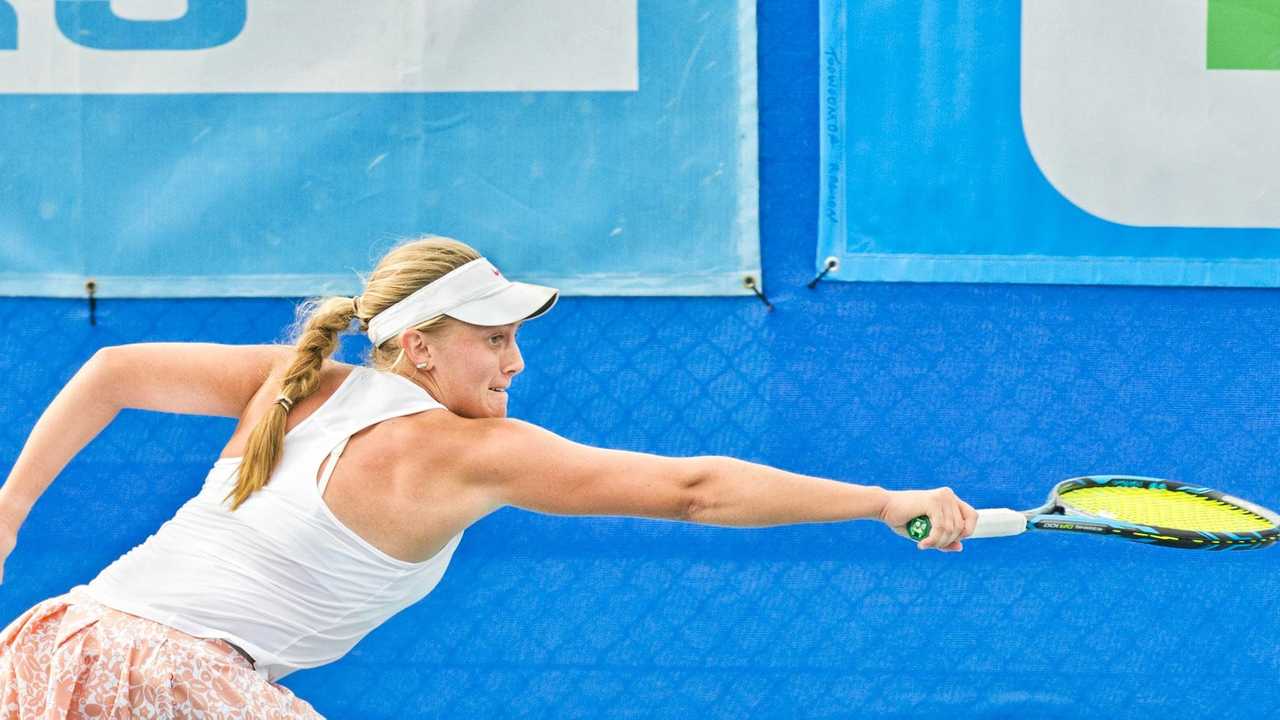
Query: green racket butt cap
column 918, row 529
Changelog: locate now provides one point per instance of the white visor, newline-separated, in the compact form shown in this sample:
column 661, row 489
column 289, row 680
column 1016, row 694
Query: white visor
column 475, row 293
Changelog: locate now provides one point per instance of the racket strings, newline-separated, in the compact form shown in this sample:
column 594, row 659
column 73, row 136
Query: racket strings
column 1165, row 508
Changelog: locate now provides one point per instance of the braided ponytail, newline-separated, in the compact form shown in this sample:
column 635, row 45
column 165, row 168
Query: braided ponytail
column 399, row 273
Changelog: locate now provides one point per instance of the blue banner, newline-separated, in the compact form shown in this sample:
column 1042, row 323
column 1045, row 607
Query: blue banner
column 1050, row 141
column 232, row 148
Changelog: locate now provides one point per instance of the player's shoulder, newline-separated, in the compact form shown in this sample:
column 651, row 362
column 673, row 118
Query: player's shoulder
column 441, row 439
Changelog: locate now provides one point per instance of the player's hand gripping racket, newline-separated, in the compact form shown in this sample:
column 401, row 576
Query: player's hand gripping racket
column 1148, row 510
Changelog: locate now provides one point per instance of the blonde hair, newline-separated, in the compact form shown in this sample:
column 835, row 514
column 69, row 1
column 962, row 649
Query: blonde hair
column 321, row 321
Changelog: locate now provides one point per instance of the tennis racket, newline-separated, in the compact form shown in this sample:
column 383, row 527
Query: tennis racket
column 1142, row 509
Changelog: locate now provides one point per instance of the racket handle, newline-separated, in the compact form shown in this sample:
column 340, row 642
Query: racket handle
column 993, row 522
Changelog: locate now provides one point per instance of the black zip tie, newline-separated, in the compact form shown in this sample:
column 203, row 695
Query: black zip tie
column 832, row 264
column 750, row 282
column 90, row 287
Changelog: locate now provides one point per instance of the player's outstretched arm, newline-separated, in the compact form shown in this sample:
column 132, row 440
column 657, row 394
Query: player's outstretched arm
column 518, row 464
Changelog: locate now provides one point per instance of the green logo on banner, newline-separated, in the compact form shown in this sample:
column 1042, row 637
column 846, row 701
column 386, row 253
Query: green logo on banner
column 1244, row 35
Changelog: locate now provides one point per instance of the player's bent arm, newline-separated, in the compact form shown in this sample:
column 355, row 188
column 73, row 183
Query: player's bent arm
column 75, row 416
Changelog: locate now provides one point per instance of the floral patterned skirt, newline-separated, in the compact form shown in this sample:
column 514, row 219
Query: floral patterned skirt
column 71, row 657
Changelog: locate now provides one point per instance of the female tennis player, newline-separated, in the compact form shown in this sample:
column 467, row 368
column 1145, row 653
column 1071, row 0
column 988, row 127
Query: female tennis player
column 342, row 495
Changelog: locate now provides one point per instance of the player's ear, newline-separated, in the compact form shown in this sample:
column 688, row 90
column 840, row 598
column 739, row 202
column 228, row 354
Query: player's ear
column 418, row 349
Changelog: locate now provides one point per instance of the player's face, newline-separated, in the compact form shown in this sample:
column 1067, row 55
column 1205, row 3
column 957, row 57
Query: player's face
column 472, row 367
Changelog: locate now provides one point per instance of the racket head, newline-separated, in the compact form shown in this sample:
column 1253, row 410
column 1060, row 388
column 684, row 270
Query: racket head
column 1157, row 512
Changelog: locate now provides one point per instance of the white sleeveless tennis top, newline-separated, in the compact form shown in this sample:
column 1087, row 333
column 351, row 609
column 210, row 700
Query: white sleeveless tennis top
column 280, row 577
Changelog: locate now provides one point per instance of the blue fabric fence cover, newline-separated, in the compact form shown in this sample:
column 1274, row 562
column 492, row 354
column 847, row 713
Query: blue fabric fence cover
column 1051, row 141
column 171, row 148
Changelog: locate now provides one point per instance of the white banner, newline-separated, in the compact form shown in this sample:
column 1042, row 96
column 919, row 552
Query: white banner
column 1125, row 119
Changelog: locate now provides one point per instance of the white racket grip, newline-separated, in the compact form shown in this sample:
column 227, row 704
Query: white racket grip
column 999, row 522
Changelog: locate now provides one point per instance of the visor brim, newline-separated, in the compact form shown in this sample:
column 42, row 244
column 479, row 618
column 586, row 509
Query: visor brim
column 518, row 301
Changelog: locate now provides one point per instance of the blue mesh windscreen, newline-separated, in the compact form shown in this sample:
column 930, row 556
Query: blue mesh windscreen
column 997, row 391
